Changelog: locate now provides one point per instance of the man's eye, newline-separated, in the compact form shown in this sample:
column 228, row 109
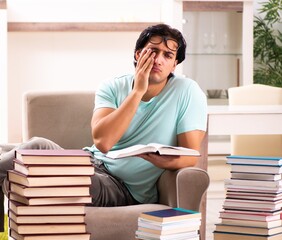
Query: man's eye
column 168, row 55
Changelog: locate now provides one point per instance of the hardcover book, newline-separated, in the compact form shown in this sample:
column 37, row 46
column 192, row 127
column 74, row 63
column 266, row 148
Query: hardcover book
column 256, row 169
column 47, row 228
column 171, row 214
column 255, row 176
column 75, row 236
column 251, row 223
column 250, row 215
column 238, row 236
column 54, row 157
column 35, row 201
column 47, row 181
column 45, row 219
column 254, row 195
column 66, row 191
column 178, row 236
column 53, row 170
column 248, row 230
column 251, row 205
column 254, row 160
column 243, row 182
column 21, row 209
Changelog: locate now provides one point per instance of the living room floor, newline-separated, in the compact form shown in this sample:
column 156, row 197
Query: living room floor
column 218, row 171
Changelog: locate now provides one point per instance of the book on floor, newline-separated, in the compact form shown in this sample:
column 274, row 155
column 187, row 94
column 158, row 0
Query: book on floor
column 251, row 215
column 66, row 191
column 254, row 195
column 178, row 236
column 53, row 170
column 253, row 189
column 75, row 236
column 152, row 148
column 53, row 156
column 255, row 176
column 252, row 223
column 248, row 230
column 34, row 201
column 22, row 209
column 254, row 160
column 244, row 182
column 170, row 215
column 47, row 181
column 238, row 236
column 47, row 228
column 252, row 204
column 170, row 231
column 256, row 169
column 168, row 225
column 45, row 219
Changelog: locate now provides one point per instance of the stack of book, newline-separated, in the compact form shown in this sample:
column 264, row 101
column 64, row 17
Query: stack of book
column 48, row 193
column 169, row 224
column 252, row 207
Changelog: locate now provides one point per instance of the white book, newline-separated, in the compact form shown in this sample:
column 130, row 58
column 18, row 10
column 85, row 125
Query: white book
column 152, row 148
column 255, row 176
column 243, row 182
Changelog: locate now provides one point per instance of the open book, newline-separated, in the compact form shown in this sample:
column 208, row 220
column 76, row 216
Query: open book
column 152, row 148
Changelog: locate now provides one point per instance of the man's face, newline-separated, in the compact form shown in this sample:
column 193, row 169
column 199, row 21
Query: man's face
column 165, row 58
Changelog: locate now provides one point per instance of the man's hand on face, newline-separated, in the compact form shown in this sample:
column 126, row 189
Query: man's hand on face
column 143, row 68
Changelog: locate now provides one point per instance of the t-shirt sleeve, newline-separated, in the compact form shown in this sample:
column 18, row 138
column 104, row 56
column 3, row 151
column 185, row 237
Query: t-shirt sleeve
column 105, row 96
column 193, row 110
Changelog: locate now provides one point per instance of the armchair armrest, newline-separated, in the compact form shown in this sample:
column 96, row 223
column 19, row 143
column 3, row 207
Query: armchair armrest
column 183, row 188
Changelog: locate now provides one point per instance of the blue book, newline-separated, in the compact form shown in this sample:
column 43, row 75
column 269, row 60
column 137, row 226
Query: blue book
column 171, row 214
column 254, row 160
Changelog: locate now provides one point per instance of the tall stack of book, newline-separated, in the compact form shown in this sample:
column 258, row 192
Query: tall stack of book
column 48, row 193
column 252, row 207
column 169, row 224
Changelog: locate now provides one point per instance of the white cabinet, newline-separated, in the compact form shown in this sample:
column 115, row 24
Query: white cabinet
column 219, row 37
column 214, row 48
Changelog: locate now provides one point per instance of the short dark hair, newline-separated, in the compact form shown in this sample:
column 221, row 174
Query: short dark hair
column 163, row 30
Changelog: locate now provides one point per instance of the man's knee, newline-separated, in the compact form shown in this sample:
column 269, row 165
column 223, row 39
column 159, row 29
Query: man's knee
column 40, row 143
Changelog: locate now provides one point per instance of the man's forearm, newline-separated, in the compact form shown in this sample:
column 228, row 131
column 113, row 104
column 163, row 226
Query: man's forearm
column 107, row 130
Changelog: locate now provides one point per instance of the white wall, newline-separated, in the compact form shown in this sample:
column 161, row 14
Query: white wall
column 67, row 61
column 62, row 61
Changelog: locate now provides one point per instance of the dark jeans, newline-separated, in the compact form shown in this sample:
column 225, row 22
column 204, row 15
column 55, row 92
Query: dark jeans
column 105, row 189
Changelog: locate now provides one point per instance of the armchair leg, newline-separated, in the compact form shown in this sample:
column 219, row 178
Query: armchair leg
column 2, row 212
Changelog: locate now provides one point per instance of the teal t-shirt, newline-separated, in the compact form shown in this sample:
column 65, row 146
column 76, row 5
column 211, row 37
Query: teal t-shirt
column 180, row 107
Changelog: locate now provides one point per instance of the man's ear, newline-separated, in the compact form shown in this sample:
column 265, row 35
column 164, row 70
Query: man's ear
column 174, row 65
column 137, row 55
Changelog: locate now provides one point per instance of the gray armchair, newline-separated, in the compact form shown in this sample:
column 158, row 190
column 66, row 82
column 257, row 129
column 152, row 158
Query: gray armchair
column 64, row 117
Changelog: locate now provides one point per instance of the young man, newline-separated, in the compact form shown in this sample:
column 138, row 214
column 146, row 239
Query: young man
column 151, row 105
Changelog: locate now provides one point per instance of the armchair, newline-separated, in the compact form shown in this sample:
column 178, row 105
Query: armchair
column 64, row 117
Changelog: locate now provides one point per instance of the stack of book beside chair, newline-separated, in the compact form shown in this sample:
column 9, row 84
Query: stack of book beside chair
column 169, row 224
column 252, row 207
column 48, row 192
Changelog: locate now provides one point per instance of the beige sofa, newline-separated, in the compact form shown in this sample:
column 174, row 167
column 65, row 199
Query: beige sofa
column 64, row 117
